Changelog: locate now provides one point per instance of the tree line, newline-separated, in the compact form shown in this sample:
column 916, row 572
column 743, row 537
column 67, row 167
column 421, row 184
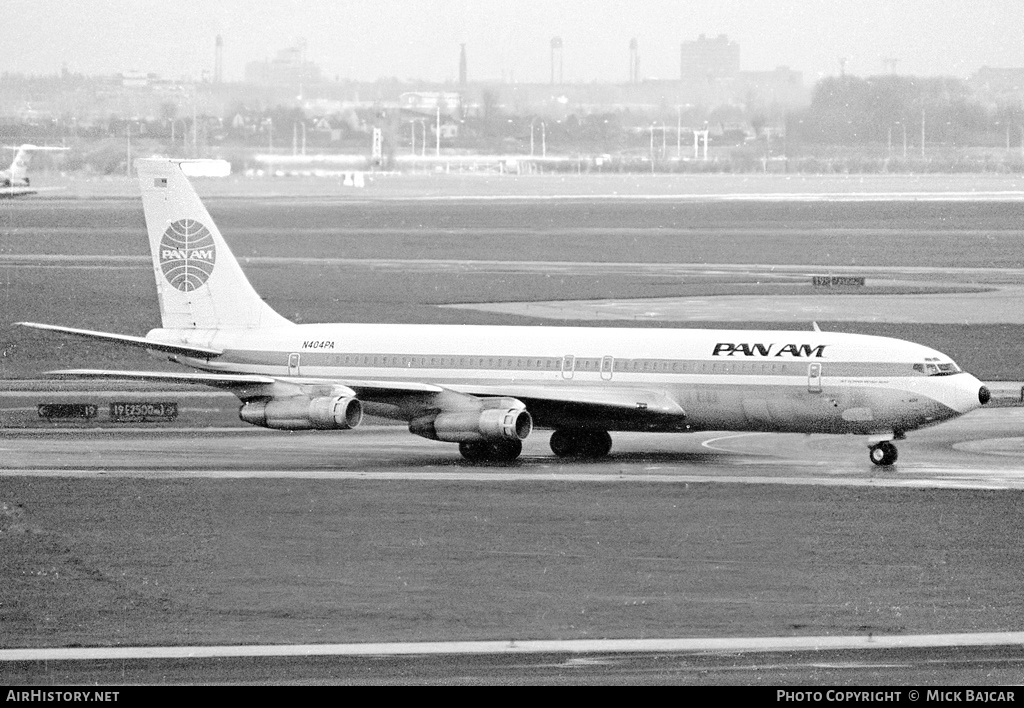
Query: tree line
column 852, row 111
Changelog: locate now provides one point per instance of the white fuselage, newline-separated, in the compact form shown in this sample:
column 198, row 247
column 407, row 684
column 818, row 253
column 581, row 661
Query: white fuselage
column 795, row 381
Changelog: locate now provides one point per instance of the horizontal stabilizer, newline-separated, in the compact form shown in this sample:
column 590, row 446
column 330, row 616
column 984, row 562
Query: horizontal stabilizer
column 17, row 191
column 27, row 147
column 168, row 347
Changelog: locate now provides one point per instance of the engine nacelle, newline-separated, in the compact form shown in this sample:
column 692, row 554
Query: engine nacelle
column 464, row 426
column 302, row 413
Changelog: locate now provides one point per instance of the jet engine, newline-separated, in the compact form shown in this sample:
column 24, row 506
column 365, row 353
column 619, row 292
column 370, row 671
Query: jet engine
column 491, row 424
column 303, row 413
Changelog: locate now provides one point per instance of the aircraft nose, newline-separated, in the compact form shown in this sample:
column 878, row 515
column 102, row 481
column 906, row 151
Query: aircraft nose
column 984, row 395
column 962, row 393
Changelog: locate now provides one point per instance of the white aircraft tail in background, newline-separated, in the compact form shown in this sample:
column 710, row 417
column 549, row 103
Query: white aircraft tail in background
column 486, row 387
column 14, row 181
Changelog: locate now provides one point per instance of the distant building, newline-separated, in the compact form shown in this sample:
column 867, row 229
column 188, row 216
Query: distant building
column 780, row 87
column 135, row 79
column 450, row 102
column 709, row 59
column 288, row 68
column 998, row 85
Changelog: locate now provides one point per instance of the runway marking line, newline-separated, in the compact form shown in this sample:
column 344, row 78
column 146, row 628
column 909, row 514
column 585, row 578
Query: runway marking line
column 494, row 475
column 708, row 445
column 578, row 646
column 987, row 196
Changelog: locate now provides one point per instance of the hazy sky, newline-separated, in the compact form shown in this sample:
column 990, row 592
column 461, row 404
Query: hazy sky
column 511, row 39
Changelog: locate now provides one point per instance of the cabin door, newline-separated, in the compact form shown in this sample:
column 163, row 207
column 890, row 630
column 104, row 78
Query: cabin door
column 814, row 378
column 568, row 364
column 607, row 366
column 293, row 364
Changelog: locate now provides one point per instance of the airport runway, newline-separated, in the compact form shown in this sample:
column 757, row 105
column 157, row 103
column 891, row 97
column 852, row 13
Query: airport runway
column 984, row 450
column 990, row 664
column 867, row 553
column 229, row 536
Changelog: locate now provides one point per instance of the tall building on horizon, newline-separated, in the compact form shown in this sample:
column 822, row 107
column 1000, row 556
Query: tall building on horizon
column 707, row 60
column 288, row 68
column 556, row 60
column 634, row 61
column 218, row 61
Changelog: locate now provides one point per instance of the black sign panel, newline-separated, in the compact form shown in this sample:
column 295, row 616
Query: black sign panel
column 142, row 411
column 67, row 410
column 836, row 281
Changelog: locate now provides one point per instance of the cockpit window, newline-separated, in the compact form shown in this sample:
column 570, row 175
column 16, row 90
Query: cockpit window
column 943, row 369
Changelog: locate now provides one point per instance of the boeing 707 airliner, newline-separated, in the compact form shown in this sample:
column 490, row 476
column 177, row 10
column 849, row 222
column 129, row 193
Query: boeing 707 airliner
column 487, row 387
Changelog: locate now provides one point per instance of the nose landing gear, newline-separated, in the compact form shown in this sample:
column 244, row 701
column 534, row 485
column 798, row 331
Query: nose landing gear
column 883, row 453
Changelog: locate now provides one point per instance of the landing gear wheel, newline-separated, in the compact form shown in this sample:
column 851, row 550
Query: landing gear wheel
column 883, row 454
column 581, row 443
column 505, row 450
column 491, row 451
column 563, row 443
column 474, row 450
column 598, row 443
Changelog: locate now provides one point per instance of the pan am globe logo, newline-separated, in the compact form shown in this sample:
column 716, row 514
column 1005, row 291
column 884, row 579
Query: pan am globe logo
column 187, row 254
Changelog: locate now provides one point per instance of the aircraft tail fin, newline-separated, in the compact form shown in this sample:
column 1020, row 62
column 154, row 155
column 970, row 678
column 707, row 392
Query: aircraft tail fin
column 19, row 165
column 199, row 282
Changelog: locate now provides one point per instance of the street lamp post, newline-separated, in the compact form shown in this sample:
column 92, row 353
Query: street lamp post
column 184, row 132
column 904, row 126
column 679, row 128
column 922, row 132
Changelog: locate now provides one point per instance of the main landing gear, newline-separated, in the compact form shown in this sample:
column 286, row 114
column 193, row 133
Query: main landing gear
column 581, row 443
column 883, row 453
column 491, row 451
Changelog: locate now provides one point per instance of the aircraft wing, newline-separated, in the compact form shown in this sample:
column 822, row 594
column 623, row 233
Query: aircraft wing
column 168, row 347
column 225, row 380
column 369, row 390
column 587, row 405
column 550, row 406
